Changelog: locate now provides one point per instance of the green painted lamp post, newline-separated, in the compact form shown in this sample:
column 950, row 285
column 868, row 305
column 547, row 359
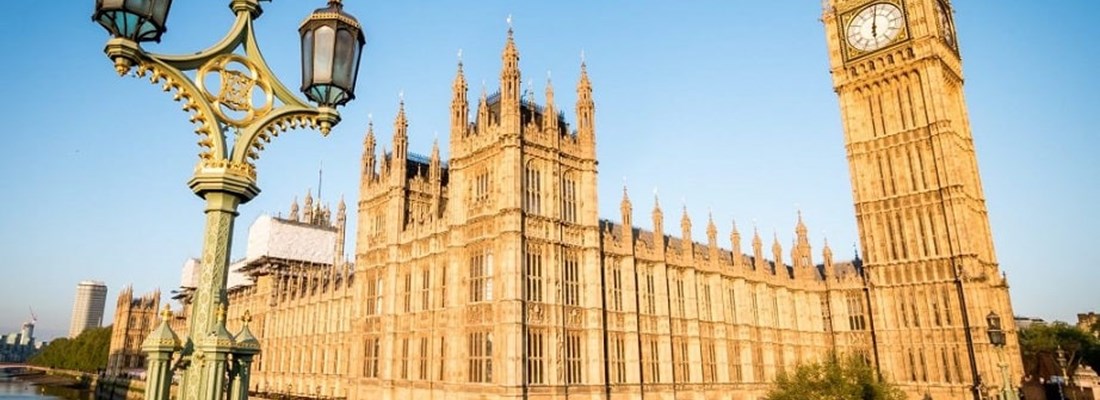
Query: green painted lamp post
column 997, row 339
column 245, row 109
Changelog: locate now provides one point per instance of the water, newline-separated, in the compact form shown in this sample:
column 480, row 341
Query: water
column 13, row 389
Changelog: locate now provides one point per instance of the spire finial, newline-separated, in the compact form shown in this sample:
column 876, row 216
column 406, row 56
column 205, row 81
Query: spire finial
column 166, row 313
column 460, row 57
column 509, row 21
column 401, row 97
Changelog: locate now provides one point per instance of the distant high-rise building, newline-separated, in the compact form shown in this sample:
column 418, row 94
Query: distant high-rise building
column 88, row 306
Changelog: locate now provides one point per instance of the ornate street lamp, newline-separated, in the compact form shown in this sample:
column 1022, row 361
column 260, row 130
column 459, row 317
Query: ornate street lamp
column 997, row 339
column 1062, row 367
column 245, row 109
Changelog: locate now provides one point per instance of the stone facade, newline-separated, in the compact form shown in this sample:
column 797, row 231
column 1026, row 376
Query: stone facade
column 134, row 318
column 491, row 275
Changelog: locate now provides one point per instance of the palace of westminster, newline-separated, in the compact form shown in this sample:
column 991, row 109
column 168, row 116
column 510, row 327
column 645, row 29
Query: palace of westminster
column 491, row 275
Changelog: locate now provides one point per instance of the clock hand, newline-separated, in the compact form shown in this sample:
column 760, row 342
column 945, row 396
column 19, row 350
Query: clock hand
column 874, row 22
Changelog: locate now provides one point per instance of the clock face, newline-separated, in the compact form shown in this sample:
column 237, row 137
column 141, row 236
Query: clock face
column 875, row 26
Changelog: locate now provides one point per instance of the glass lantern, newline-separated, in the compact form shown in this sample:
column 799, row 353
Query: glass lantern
column 137, row 20
column 332, row 43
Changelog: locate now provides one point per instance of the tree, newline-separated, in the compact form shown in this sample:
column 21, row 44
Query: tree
column 1039, row 344
column 87, row 352
column 834, row 378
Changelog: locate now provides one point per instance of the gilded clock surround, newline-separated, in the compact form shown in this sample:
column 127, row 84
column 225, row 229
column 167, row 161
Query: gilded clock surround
column 847, row 16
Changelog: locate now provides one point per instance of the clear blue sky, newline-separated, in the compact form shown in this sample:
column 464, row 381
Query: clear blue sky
column 726, row 105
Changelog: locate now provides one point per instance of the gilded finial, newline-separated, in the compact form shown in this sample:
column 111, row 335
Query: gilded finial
column 509, row 21
column 221, row 312
column 246, row 318
column 166, row 313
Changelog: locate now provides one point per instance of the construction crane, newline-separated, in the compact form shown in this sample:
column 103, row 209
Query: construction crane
column 34, row 317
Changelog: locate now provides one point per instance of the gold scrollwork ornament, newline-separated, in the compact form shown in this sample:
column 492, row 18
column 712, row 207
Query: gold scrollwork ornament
column 235, row 89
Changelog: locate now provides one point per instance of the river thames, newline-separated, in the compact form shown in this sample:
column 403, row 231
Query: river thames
column 13, row 389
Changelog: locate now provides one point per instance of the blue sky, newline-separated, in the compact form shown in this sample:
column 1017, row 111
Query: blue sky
column 726, row 106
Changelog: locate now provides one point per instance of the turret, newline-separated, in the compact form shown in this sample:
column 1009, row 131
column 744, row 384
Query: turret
column 550, row 117
column 369, row 159
column 685, row 228
column 586, row 112
column 307, row 216
column 658, row 225
column 341, row 225
column 510, row 85
column 435, row 177
column 801, row 253
column 482, row 112
column 627, row 212
column 400, row 144
column 777, row 252
column 735, row 246
column 827, row 258
column 460, row 107
column 293, row 216
column 712, row 239
column 759, row 264
column 435, row 165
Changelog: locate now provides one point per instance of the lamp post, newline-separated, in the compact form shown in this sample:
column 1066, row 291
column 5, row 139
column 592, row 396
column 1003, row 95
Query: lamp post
column 1062, row 367
column 246, row 108
column 997, row 339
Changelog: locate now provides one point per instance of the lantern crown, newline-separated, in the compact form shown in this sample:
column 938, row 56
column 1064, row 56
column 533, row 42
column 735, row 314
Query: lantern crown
column 333, row 12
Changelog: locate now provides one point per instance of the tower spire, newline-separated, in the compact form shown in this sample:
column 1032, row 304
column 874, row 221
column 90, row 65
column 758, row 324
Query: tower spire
column 400, row 129
column 586, row 110
column 400, row 143
column 658, row 221
column 369, row 144
column 757, row 250
column 627, row 211
column 483, row 110
column 510, row 83
column 735, row 246
column 685, row 229
column 460, row 107
column 550, row 118
column 777, row 253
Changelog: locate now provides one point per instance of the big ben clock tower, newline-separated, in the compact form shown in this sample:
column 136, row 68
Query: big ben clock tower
column 934, row 282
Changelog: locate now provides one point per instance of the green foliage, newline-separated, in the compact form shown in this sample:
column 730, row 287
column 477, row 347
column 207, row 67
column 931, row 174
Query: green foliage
column 87, row 352
column 1039, row 345
column 835, row 378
